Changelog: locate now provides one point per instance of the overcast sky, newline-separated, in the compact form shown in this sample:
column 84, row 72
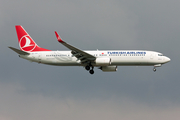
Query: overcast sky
column 35, row 91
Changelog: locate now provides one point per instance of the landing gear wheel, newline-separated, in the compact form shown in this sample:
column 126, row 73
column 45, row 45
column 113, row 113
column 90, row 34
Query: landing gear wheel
column 154, row 69
column 91, row 71
column 87, row 67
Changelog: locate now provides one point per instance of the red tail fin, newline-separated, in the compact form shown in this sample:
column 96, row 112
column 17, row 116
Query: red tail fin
column 26, row 43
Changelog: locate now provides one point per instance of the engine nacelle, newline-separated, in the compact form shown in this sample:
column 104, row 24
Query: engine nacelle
column 103, row 61
column 109, row 68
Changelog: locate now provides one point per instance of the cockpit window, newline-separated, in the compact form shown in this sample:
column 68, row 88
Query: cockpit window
column 160, row 54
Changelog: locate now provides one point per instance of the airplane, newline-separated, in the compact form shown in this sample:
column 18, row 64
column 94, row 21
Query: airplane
column 106, row 60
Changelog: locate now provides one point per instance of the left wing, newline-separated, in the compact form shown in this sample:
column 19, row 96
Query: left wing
column 79, row 54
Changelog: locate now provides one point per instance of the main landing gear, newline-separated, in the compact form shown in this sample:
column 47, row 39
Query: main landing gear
column 88, row 67
column 91, row 71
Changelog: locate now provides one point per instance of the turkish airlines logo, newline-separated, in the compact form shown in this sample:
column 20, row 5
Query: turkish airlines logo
column 26, row 43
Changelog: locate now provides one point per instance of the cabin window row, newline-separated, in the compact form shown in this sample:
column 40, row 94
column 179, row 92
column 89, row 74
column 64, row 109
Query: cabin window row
column 127, row 55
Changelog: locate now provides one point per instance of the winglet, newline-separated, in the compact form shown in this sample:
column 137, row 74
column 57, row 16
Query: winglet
column 59, row 38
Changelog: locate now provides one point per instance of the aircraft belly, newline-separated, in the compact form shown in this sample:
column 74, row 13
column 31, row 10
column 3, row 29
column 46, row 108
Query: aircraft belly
column 61, row 61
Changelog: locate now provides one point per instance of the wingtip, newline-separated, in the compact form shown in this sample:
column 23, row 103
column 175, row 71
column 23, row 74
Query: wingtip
column 58, row 38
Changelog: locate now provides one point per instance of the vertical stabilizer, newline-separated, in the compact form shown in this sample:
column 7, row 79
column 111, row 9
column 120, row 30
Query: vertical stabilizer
column 26, row 43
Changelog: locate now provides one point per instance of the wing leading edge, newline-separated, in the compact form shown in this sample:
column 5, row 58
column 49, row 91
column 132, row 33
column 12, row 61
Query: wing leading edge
column 84, row 57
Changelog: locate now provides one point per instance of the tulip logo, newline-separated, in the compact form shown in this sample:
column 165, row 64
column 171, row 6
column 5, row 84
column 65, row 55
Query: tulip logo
column 26, row 43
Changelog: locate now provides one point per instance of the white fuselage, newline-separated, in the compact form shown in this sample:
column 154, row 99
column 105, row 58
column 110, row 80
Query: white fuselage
column 118, row 57
column 106, row 60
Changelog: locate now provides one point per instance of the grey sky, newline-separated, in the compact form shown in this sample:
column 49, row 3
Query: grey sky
column 35, row 91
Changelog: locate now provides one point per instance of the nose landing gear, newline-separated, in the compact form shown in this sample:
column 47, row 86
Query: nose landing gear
column 158, row 65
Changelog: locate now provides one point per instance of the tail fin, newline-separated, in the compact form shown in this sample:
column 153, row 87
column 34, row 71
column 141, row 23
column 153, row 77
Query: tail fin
column 26, row 43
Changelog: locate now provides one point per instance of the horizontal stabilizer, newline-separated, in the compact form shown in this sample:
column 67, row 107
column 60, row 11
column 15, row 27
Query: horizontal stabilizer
column 19, row 51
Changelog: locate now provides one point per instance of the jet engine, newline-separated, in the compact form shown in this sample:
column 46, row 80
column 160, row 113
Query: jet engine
column 109, row 68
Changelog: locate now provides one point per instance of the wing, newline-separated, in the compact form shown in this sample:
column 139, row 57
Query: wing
column 79, row 54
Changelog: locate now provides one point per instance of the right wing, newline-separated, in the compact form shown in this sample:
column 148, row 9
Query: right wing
column 79, row 54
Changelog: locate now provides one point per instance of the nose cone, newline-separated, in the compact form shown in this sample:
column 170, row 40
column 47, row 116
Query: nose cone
column 167, row 59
